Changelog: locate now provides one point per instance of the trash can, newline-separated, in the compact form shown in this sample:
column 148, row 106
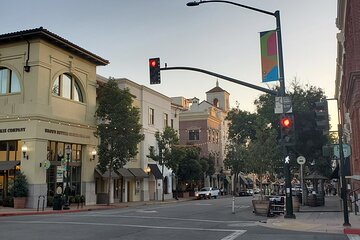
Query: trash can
column 57, row 204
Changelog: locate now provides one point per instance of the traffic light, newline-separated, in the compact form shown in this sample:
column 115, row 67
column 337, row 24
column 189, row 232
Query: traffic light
column 322, row 116
column 154, row 66
column 287, row 129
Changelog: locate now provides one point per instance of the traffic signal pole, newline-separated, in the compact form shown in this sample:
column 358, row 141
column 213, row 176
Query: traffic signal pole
column 280, row 93
column 266, row 90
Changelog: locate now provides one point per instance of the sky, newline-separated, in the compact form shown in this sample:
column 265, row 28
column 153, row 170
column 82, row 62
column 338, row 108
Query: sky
column 218, row 37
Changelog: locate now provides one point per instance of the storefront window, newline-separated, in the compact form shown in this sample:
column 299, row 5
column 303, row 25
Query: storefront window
column 9, row 151
column 56, row 175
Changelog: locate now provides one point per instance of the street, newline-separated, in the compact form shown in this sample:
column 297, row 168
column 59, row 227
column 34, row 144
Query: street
column 202, row 219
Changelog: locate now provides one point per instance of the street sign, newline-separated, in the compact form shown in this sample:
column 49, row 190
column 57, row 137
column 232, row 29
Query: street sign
column 346, row 150
column 301, row 160
column 283, row 105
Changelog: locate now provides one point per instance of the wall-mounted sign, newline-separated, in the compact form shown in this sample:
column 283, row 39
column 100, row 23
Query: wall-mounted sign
column 64, row 133
column 12, row 130
column 46, row 164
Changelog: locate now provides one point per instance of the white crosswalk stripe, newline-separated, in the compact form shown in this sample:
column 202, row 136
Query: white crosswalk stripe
column 353, row 237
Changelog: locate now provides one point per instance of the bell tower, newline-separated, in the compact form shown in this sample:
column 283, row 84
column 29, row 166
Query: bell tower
column 218, row 97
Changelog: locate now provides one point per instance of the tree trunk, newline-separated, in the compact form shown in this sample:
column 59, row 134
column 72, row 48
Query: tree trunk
column 109, row 185
column 261, row 187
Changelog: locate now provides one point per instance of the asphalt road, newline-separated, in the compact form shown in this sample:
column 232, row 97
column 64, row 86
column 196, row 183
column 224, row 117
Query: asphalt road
column 202, row 219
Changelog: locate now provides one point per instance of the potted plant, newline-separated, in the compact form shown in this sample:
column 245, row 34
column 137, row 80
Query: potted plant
column 19, row 190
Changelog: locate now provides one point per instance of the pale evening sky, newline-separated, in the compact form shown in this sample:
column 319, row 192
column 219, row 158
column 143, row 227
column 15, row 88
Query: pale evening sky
column 217, row 37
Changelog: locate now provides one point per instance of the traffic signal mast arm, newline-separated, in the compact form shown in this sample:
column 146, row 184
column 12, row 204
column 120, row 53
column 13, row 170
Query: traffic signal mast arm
column 272, row 92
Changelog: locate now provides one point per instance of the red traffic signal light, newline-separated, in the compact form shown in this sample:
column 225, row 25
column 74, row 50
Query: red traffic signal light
column 154, row 68
column 286, row 122
column 287, row 128
column 152, row 62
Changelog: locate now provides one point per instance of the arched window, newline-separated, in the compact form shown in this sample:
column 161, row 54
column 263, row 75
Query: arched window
column 9, row 82
column 68, row 87
column 216, row 102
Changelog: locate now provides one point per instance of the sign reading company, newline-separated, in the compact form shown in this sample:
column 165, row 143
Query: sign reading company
column 12, row 130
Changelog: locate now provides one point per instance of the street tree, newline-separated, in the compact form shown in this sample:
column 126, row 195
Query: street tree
column 165, row 141
column 236, row 160
column 309, row 140
column 118, row 128
column 264, row 155
column 190, row 169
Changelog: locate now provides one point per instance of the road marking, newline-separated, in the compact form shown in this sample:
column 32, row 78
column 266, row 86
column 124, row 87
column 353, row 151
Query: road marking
column 166, row 218
column 203, row 204
column 235, row 232
column 353, row 237
column 233, row 235
column 147, row 211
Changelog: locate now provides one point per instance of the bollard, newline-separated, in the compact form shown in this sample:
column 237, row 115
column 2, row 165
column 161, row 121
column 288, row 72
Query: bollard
column 42, row 197
column 233, row 205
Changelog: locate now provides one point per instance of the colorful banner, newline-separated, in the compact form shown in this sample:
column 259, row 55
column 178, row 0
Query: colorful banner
column 269, row 58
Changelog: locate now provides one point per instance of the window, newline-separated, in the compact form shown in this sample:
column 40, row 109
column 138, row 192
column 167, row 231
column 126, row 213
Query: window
column 151, row 116
column 9, row 82
column 68, row 87
column 55, row 176
column 166, row 119
column 172, row 123
column 194, row 134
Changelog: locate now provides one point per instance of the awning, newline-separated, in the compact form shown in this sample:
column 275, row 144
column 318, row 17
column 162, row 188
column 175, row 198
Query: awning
column 7, row 165
column 106, row 174
column 243, row 179
column 315, row 175
column 154, row 170
column 335, row 174
column 124, row 173
column 138, row 172
column 228, row 179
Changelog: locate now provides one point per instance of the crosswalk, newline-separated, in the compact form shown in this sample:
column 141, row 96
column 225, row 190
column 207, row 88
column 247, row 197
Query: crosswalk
column 353, row 236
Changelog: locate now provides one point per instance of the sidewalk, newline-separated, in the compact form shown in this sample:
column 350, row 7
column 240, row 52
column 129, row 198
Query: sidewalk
column 327, row 218
column 9, row 211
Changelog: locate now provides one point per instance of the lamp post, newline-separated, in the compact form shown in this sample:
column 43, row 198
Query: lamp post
column 281, row 92
column 67, row 189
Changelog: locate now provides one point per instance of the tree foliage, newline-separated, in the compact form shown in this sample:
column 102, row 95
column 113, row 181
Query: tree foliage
column 309, row 140
column 165, row 141
column 119, row 127
column 245, row 126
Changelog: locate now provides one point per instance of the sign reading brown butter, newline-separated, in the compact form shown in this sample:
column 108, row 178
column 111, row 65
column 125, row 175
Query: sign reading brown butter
column 71, row 134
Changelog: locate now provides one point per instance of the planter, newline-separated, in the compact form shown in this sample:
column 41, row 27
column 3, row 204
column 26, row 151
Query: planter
column 261, row 207
column 296, row 204
column 19, row 202
column 184, row 194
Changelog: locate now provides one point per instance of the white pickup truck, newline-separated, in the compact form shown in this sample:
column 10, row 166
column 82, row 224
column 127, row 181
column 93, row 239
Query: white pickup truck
column 207, row 192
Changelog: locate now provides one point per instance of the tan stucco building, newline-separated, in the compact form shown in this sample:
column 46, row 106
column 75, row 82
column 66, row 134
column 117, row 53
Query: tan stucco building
column 47, row 103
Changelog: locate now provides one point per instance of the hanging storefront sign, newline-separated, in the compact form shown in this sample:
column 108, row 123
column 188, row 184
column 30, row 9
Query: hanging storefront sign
column 59, row 174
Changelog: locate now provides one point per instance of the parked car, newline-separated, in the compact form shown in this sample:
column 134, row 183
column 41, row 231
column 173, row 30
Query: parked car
column 243, row 192
column 207, row 192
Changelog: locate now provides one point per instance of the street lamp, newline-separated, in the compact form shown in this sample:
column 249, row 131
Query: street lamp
column 281, row 92
column 67, row 188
